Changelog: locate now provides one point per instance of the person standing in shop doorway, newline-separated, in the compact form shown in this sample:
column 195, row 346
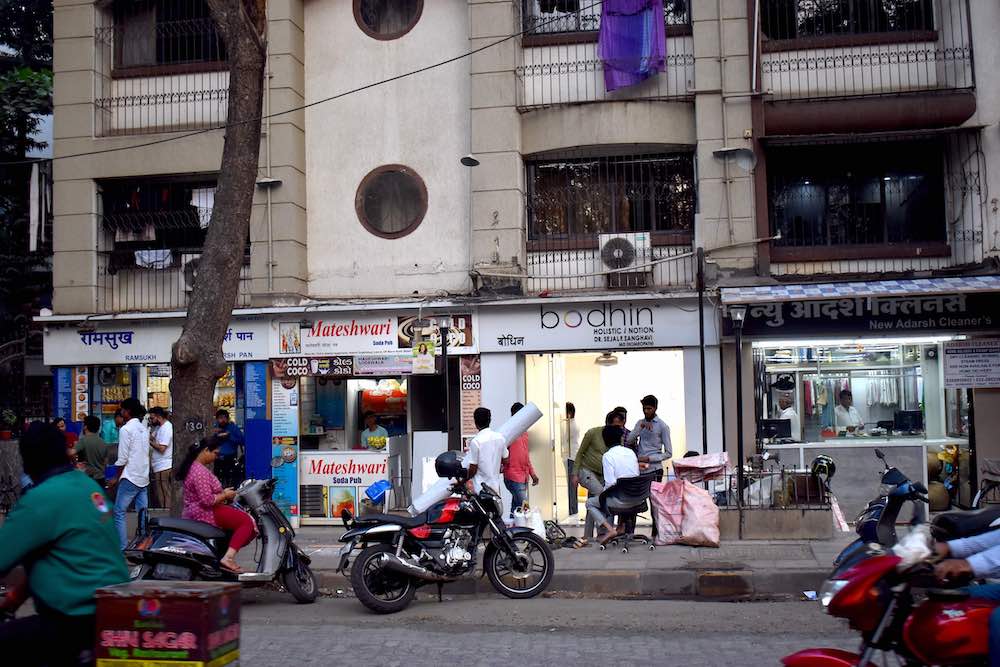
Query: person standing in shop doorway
column 132, row 483
column 572, row 436
column 91, row 451
column 229, row 465
column 518, row 470
column 651, row 441
column 373, row 430
column 161, row 439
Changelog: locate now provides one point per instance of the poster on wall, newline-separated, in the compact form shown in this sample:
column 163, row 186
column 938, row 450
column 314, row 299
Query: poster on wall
column 461, row 332
column 423, row 358
column 81, row 393
column 336, row 481
column 470, row 376
column 255, row 387
column 63, row 392
column 285, row 443
column 972, row 364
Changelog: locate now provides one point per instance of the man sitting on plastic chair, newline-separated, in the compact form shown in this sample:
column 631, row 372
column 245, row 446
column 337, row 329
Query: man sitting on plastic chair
column 625, row 491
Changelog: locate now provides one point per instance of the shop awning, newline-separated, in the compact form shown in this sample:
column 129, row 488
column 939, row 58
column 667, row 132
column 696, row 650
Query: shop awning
column 914, row 287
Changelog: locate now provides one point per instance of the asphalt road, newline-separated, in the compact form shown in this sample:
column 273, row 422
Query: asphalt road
column 498, row 631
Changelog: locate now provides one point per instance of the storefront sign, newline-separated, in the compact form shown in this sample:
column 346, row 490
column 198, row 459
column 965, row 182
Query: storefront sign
column 972, row 364
column 284, row 443
column 63, row 393
column 611, row 325
column 472, row 391
column 255, row 387
column 335, row 335
column 461, row 332
column 383, row 364
column 873, row 315
column 313, row 367
column 140, row 342
column 336, row 481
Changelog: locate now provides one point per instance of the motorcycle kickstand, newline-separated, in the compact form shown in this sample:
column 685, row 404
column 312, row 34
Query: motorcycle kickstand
column 440, row 589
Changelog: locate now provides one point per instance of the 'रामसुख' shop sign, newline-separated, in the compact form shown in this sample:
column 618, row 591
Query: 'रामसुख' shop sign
column 141, row 343
column 872, row 315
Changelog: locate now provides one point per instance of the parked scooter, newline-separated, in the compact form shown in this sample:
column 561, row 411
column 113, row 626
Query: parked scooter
column 181, row 549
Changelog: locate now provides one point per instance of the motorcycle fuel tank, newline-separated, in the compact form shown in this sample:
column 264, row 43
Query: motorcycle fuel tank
column 949, row 632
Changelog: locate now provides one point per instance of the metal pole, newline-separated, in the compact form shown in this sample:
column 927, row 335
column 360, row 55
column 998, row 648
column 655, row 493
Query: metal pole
column 739, row 423
column 973, row 458
column 447, row 383
column 701, row 348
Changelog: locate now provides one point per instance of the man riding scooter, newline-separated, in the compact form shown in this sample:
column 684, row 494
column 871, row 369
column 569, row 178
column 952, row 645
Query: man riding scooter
column 63, row 533
column 977, row 557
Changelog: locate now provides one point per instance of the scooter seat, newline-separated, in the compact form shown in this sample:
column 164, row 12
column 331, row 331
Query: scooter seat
column 404, row 521
column 197, row 528
column 953, row 525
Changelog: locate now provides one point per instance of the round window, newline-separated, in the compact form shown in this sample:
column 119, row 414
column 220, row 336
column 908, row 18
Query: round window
column 387, row 19
column 391, row 201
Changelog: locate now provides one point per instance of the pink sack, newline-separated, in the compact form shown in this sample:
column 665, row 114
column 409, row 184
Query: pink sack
column 700, row 468
column 700, row 518
column 667, row 499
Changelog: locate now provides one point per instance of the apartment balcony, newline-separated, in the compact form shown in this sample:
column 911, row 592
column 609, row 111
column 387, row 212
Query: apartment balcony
column 160, row 66
column 560, row 63
column 149, row 244
column 894, row 208
column 866, row 64
column 619, row 222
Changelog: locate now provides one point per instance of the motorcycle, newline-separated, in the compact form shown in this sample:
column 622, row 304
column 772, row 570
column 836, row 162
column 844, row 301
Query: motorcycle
column 182, row 549
column 933, row 627
column 398, row 554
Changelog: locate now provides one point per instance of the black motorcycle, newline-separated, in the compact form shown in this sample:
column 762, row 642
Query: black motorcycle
column 398, row 554
column 181, row 549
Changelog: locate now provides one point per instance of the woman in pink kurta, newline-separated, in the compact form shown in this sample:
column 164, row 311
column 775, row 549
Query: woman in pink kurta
column 205, row 499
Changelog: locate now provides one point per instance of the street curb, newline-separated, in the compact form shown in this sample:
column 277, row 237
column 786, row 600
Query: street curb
column 648, row 584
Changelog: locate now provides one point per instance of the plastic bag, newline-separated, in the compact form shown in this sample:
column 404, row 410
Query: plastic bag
column 668, row 504
column 700, row 468
column 700, row 518
column 525, row 517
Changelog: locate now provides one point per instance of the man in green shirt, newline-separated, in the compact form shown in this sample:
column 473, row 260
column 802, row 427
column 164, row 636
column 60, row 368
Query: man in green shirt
column 91, row 451
column 62, row 531
column 588, row 469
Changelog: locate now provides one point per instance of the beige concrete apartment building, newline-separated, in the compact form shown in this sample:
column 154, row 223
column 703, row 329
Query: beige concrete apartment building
column 792, row 143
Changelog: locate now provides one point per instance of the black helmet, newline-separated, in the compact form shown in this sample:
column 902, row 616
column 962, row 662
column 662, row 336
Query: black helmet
column 823, row 466
column 449, row 465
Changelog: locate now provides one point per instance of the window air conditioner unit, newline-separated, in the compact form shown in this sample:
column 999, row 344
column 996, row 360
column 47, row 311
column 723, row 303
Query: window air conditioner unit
column 627, row 258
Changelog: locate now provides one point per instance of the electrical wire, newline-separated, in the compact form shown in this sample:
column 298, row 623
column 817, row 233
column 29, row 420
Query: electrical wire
column 302, row 107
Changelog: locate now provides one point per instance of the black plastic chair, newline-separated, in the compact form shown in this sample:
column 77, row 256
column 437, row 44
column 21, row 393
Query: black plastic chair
column 633, row 491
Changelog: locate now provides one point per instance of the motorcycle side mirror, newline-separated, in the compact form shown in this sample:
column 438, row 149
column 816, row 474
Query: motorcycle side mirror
column 880, row 454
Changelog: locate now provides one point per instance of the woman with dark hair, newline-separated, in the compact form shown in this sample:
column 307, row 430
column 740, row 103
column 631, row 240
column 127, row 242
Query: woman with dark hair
column 205, row 499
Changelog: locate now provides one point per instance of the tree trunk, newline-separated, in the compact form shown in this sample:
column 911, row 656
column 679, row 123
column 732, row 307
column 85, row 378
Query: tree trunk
column 197, row 361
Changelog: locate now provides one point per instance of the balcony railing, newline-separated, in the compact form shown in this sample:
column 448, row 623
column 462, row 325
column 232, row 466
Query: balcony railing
column 554, row 267
column 560, row 62
column 845, row 48
column 160, row 66
column 928, row 217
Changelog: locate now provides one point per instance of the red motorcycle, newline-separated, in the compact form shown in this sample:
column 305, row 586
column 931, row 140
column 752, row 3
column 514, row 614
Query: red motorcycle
column 897, row 608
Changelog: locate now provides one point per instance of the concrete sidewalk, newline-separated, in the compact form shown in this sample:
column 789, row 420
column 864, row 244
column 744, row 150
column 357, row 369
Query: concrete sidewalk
column 738, row 569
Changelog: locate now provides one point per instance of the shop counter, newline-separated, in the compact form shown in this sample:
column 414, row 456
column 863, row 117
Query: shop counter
column 332, row 481
column 859, row 472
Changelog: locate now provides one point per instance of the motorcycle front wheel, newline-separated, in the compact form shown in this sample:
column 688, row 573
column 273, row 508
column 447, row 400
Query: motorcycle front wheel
column 380, row 589
column 523, row 576
column 301, row 583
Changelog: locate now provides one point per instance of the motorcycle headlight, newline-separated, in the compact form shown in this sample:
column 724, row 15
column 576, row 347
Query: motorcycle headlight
column 829, row 590
column 886, row 489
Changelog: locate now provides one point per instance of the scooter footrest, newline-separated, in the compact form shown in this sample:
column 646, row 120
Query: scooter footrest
column 250, row 577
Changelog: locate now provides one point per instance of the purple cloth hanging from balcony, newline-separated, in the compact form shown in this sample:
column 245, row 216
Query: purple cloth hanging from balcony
column 632, row 43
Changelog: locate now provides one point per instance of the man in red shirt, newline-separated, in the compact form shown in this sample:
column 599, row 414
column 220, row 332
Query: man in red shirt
column 518, row 468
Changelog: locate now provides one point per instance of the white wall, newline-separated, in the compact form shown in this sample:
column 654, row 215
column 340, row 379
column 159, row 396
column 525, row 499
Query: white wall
column 421, row 121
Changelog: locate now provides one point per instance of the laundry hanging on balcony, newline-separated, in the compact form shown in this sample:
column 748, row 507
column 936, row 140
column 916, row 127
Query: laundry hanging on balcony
column 154, row 259
column 632, row 42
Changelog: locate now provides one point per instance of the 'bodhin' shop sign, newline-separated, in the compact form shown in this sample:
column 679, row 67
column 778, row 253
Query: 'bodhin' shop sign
column 867, row 315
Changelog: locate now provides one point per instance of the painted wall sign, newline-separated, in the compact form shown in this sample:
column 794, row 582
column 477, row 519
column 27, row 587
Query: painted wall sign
column 972, row 364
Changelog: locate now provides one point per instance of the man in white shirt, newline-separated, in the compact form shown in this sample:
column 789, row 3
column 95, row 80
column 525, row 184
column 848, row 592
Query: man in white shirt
column 846, row 414
column 133, row 464
column 487, row 452
column 788, row 412
column 161, row 439
column 618, row 462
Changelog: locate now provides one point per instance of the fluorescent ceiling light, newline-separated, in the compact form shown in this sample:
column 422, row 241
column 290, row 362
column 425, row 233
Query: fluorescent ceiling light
column 839, row 342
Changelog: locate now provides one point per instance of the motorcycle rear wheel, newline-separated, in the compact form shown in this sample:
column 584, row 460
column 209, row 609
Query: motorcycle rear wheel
column 536, row 576
column 381, row 590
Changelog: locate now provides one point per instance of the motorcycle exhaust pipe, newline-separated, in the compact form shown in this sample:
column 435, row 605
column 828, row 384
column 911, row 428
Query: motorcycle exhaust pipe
column 396, row 564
